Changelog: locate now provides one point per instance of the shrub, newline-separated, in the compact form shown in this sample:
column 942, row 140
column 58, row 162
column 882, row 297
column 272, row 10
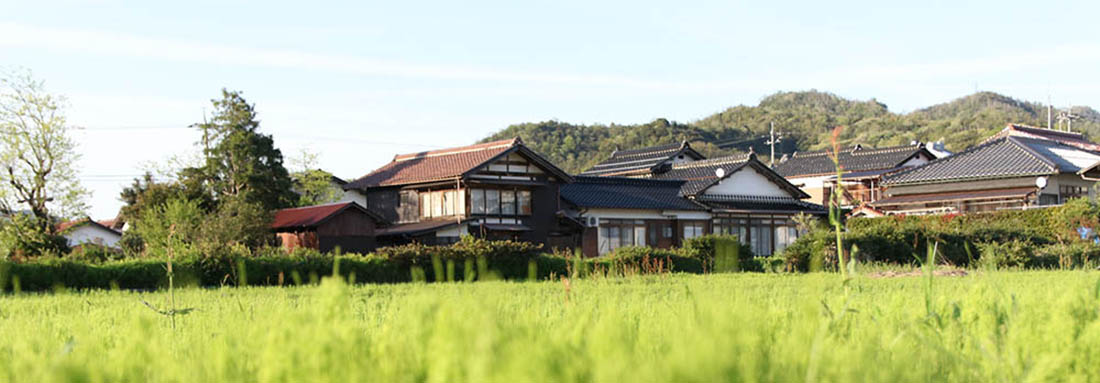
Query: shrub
column 704, row 249
column 999, row 255
column 1068, row 255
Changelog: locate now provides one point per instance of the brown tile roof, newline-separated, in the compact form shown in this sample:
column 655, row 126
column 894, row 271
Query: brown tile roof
column 312, row 216
column 68, row 225
column 446, row 164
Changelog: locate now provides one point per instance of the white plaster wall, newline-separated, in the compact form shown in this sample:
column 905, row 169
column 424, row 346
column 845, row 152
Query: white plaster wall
column 456, row 231
column 354, row 196
column 747, row 181
column 92, row 234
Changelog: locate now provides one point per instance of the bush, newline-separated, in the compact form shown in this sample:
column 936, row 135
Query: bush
column 704, row 249
column 647, row 260
column 999, row 255
column 1069, row 255
column 904, row 239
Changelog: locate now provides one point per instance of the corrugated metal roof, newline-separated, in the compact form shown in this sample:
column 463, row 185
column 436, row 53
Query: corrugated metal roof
column 311, row 216
column 417, row 228
column 626, row 193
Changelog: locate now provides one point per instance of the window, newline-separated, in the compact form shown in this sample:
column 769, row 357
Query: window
column 441, row 203
column 478, row 201
column 507, row 202
column 760, row 234
column 524, row 202
column 616, row 233
column 449, row 203
column 492, row 202
column 692, row 230
column 437, row 204
column 425, row 204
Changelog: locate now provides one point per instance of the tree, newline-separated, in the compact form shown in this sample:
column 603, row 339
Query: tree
column 314, row 186
column 146, row 192
column 240, row 162
column 37, row 156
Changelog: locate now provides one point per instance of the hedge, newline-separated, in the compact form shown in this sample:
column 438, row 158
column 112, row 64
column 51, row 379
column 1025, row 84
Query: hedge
column 1017, row 238
column 471, row 258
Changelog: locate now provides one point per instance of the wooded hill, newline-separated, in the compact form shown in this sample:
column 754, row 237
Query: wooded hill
column 805, row 118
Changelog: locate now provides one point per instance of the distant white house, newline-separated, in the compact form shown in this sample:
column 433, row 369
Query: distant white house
column 85, row 231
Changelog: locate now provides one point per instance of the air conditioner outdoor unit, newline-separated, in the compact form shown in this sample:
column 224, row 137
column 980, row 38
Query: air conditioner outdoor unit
column 593, row 222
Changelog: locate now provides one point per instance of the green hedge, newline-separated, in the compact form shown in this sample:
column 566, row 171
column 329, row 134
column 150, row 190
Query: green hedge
column 468, row 259
column 1016, row 238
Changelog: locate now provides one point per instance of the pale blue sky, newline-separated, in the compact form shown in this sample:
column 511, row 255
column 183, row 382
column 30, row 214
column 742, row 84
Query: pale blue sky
column 361, row 81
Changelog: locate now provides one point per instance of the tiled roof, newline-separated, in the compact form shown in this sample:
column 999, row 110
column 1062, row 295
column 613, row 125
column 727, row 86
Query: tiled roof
column 433, row 165
column 1069, row 138
column 626, row 193
column 854, row 159
column 758, row 203
column 418, row 228
column 311, row 216
column 1021, row 192
column 640, row 160
column 69, row 225
column 1000, row 158
column 701, row 174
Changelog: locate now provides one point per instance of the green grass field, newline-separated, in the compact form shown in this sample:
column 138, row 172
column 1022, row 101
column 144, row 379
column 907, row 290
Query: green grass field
column 993, row 326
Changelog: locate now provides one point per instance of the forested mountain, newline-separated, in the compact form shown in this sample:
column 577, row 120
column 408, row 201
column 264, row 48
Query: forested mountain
column 806, row 120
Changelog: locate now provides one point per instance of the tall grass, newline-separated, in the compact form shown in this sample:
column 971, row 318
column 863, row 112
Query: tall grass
column 992, row 326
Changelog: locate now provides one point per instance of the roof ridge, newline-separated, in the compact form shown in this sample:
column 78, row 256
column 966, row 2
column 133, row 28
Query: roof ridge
column 733, row 158
column 318, row 205
column 459, row 149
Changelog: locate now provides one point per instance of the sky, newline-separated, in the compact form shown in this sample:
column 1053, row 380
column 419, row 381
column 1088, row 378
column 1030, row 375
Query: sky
column 359, row 82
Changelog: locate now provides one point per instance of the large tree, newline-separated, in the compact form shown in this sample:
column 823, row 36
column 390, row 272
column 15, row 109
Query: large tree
column 241, row 163
column 37, row 155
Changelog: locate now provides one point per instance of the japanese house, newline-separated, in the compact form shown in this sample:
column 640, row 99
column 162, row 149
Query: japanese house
column 1010, row 170
column 344, row 225
column 496, row 190
column 734, row 194
column 744, row 197
column 619, row 211
column 88, row 231
column 863, row 171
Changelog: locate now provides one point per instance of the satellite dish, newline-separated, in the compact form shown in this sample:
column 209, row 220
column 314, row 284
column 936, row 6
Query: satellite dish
column 720, row 172
column 1041, row 182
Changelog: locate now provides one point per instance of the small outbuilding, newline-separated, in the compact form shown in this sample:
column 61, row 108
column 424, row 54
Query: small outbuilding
column 344, row 225
column 87, row 231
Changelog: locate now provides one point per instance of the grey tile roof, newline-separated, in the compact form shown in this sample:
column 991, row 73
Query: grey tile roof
column 854, row 159
column 700, row 175
column 757, row 203
column 626, row 193
column 1002, row 157
column 640, row 160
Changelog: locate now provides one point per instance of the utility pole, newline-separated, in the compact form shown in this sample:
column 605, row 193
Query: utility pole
column 773, row 138
column 1050, row 114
